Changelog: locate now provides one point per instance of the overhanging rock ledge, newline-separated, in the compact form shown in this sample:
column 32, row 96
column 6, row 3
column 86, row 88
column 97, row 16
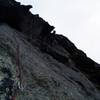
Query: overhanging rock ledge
column 38, row 64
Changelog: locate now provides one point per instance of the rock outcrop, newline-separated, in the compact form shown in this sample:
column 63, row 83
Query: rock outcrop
column 38, row 64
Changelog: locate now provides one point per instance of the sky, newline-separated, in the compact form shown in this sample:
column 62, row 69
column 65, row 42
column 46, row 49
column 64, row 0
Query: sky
column 79, row 20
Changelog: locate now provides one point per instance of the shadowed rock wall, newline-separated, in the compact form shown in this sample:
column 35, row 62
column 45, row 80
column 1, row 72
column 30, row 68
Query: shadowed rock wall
column 38, row 64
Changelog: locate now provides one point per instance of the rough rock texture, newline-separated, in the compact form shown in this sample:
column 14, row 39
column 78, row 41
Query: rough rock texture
column 38, row 64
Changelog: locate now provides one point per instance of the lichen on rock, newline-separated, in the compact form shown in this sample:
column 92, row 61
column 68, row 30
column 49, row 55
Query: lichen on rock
column 7, row 75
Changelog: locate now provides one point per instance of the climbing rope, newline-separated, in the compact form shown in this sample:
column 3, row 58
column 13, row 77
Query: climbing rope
column 19, row 74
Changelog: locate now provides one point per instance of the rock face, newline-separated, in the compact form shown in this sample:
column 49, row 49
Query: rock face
column 38, row 64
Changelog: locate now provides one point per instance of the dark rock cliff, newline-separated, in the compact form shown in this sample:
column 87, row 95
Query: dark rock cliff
column 38, row 64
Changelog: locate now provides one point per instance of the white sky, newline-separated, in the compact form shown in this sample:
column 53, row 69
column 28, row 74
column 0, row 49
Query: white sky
column 79, row 20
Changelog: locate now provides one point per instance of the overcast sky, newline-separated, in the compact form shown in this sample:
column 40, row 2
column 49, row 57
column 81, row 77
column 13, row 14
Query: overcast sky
column 79, row 20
